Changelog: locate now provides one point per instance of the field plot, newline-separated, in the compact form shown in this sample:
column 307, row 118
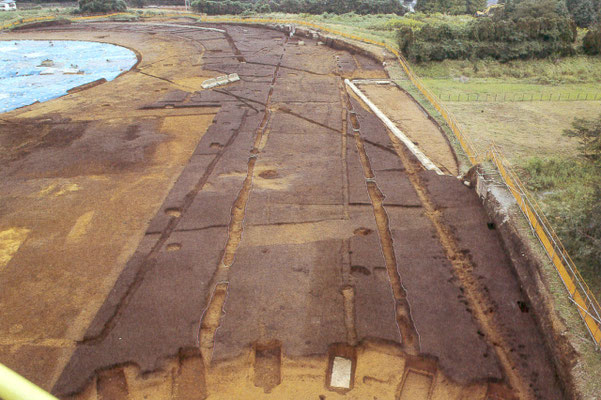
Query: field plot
column 523, row 129
column 269, row 238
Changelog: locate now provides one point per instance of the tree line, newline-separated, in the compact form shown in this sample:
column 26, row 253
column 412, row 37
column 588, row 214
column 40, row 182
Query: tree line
column 523, row 30
column 217, row 7
column 453, row 7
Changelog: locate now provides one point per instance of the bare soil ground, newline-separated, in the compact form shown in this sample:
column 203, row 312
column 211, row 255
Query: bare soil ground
column 410, row 118
column 175, row 243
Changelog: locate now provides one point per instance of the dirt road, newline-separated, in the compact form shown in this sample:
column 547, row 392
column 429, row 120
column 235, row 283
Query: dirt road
column 239, row 242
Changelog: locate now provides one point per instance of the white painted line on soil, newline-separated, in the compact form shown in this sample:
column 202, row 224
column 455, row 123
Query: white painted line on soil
column 426, row 162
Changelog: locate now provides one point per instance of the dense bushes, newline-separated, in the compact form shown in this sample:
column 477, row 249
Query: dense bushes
column 591, row 44
column 526, row 30
column 220, row 7
column 584, row 12
column 101, row 6
column 215, row 7
column 453, row 7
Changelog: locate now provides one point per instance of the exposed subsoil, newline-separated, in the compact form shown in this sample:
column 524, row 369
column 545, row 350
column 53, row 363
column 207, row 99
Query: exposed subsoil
column 181, row 243
column 411, row 118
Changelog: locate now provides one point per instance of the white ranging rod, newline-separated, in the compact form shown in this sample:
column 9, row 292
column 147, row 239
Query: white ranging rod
column 429, row 165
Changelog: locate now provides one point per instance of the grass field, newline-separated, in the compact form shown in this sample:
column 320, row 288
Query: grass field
column 13, row 16
column 568, row 79
column 511, row 90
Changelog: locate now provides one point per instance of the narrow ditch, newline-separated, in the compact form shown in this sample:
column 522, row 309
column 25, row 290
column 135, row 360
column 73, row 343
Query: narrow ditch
column 409, row 335
column 478, row 299
column 211, row 318
column 150, row 258
column 232, row 44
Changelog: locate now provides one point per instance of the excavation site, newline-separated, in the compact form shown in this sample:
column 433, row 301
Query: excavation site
column 251, row 212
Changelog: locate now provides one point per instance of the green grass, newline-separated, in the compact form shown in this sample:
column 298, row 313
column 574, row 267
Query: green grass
column 13, row 16
column 565, row 188
column 510, row 89
column 570, row 70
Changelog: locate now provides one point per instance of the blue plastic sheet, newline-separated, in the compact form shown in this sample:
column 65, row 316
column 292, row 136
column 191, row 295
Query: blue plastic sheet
column 40, row 70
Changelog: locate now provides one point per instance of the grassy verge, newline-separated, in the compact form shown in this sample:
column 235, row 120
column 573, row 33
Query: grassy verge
column 14, row 16
column 573, row 78
column 565, row 188
column 578, row 69
column 511, row 90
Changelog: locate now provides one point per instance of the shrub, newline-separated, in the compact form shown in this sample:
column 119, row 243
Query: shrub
column 137, row 3
column 591, row 44
column 588, row 132
column 515, row 35
column 314, row 7
column 101, row 6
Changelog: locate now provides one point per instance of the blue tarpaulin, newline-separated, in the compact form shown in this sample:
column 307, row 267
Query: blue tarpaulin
column 40, row 70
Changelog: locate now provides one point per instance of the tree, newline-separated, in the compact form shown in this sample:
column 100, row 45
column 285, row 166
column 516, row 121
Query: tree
column 588, row 132
column 453, row 7
column 475, row 5
column 101, row 6
column 583, row 12
column 591, row 44
column 534, row 9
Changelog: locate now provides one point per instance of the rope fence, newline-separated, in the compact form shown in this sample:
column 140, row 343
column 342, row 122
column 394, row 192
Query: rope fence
column 579, row 293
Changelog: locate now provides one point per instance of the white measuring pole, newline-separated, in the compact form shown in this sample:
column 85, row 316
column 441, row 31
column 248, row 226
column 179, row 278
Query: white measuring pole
column 14, row 387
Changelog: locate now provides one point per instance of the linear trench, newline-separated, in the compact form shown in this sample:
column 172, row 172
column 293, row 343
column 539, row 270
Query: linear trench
column 409, row 335
column 210, row 321
column 462, row 268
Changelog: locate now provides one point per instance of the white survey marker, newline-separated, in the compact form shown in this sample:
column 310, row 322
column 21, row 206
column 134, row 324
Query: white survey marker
column 220, row 81
column 341, row 373
column 426, row 162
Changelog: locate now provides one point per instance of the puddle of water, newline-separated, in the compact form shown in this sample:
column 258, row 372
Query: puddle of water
column 41, row 70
